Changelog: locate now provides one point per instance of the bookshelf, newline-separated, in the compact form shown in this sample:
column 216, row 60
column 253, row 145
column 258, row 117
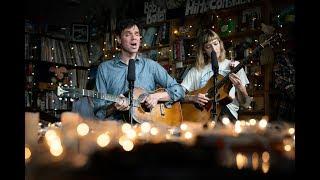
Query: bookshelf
column 51, row 61
column 156, row 43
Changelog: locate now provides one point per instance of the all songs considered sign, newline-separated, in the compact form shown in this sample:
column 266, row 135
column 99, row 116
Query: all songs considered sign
column 156, row 13
column 202, row 6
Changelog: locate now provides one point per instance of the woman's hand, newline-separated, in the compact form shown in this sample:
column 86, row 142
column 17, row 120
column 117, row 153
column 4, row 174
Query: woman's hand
column 233, row 64
column 236, row 81
column 199, row 98
column 123, row 105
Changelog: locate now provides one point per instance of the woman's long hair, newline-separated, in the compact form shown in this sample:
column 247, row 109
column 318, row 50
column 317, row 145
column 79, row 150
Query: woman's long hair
column 204, row 37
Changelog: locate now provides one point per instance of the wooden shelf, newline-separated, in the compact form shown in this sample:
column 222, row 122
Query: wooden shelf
column 163, row 59
column 154, row 47
column 56, row 64
column 156, row 23
column 238, row 35
column 55, row 37
column 184, row 37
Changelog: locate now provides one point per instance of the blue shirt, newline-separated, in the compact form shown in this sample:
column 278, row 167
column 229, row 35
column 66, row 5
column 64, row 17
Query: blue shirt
column 84, row 107
column 111, row 78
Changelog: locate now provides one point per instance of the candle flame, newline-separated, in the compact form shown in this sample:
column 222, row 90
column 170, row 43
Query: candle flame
column 83, row 129
column 103, row 140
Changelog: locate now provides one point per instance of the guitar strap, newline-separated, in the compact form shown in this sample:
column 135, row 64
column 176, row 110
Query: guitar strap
column 225, row 112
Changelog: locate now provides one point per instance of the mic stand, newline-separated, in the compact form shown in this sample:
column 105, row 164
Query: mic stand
column 214, row 101
column 131, row 86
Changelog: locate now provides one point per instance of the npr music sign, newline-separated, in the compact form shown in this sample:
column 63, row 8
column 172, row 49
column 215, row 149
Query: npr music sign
column 154, row 13
column 201, row 6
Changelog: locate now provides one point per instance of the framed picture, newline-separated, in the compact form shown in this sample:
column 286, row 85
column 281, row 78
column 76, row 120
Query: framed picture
column 80, row 32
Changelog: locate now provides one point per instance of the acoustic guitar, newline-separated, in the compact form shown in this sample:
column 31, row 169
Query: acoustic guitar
column 163, row 113
column 195, row 112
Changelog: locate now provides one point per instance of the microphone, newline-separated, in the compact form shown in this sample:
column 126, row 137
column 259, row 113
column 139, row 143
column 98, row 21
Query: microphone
column 215, row 69
column 131, row 71
column 214, row 62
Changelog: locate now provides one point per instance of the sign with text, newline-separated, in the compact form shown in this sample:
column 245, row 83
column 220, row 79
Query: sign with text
column 154, row 13
column 202, row 6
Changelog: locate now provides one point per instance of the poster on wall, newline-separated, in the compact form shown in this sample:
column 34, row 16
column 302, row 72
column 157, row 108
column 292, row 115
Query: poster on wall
column 80, row 32
column 154, row 12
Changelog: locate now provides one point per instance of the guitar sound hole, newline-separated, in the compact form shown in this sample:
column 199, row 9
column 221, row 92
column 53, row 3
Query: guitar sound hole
column 198, row 106
column 145, row 108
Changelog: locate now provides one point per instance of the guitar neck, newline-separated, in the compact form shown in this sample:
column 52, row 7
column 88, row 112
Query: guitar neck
column 238, row 67
column 225, row 79
column 99, row 95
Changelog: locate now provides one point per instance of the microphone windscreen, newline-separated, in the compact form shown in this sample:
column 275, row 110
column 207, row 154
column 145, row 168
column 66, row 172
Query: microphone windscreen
column 131, row 70
column 214, row 60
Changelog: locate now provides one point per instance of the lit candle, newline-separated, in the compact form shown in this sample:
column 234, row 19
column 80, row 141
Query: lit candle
column 69, row 121
column 83, row 129
column 263, row 123
column 145, row 127
column 27, row 153
column 265, row 167
column 154, row 131
column 188, row 135
column 291, row 131
column 255, row 161
column 128, row 145
column 225, row 121
column 125, row 127
column 31, row 128
column 183, row 126
column 131, row 134
column 237, row 127
column 252, row 122
column 103, row 140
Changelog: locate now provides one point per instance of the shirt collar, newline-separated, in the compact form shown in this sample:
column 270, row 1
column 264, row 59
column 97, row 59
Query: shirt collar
column 117, row 59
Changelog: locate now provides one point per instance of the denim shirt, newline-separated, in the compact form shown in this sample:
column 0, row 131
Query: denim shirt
column 111, row 78
column 84, row 107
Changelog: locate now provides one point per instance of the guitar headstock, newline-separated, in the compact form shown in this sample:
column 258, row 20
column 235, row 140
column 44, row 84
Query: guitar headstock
column 65, row 91
column 274, row 38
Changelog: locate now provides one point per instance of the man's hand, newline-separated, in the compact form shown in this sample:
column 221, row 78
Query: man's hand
column 151, row 100
column 123, row 105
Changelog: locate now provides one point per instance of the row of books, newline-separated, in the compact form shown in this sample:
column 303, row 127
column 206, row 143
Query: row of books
column 183, row 49
column 59, row 51
column 159, row 54
column 30, row 47
column 249, row 19
column 155, row 35
column 47, row 101
column 79, row 78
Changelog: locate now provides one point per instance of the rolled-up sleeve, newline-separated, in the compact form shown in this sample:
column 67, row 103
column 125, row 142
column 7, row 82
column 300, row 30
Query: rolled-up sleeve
column 173, row 88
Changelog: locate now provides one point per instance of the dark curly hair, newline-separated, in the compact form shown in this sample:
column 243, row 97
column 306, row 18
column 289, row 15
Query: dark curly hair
column 126, row 23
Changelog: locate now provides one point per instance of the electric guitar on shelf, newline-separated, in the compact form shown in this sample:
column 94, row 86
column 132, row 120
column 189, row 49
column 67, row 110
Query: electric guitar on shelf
column 197, row 113
column 163, row 113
